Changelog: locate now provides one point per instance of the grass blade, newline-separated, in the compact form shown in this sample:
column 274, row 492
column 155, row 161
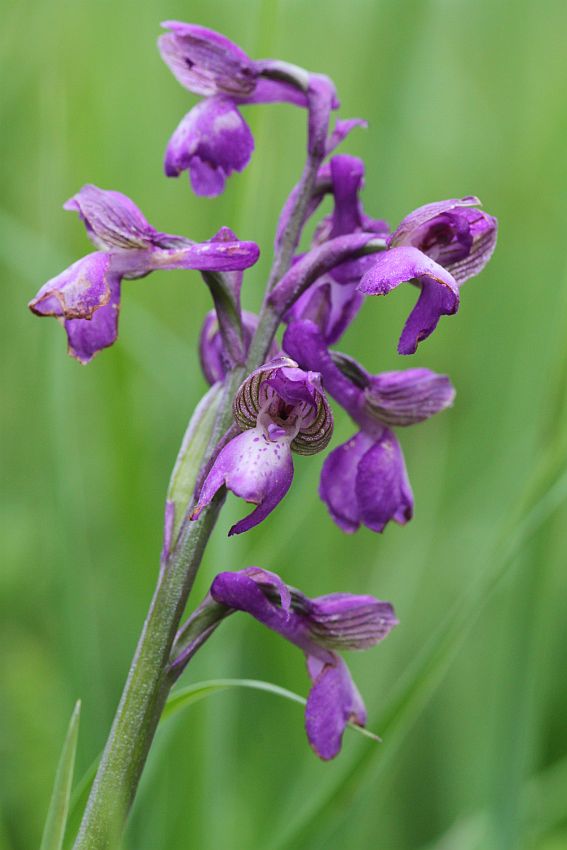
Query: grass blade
column 54, row 830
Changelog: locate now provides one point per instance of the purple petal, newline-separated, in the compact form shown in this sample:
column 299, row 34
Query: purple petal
column 87, row 337
column 439, row 290
column 112, row 220
column 77, row 292
column 433, row 302
column 333, row 702
column 383, row 491
column 404, row 398
column 342, row 129
column 484, row 232
column 255, row 469
column 247, row 591
column 347, row 173
column 274, row 91
column 403, row 234
column 269, row 580
column 205, row 256
column 206, row 62
column 337, row 487
column 211, row 142
column 346, row 621
column 458, row 237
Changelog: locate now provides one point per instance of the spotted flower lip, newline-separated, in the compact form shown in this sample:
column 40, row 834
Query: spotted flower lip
column 364, row 481
column 439, row 246
column 319, row 627
column 213, row 141
column 280, row 408
column 86, row 296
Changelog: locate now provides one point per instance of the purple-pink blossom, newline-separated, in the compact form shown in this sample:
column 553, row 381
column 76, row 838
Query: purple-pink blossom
column 86, row 296
column 280, row 409
column 319, row 627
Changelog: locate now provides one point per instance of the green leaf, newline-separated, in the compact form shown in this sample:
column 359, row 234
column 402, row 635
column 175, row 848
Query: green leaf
column 196, row 439
column 54, row 830
column 193, row 693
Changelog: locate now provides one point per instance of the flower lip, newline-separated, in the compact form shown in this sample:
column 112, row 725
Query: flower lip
column 281, row 394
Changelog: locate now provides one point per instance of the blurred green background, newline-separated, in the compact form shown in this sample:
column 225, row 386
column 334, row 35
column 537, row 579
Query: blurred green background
column 469, row 693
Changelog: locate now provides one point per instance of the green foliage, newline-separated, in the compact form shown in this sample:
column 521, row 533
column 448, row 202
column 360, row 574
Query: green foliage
column 468, row 693
column 56, row 821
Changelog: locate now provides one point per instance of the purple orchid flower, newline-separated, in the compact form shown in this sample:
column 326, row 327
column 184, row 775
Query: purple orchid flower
column 86, row 296
column 213, row 140
column 319, row 627
column 364, row 481
column 333, row 300
column 280, row 408
column 440, row 246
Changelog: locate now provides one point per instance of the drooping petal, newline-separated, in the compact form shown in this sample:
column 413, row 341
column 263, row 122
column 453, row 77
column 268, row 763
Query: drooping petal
column 382, row 488
column 112, row 220
column 433, row 302
column 77, row 292
column 333, row 702
column 337, row 487
column 409, row 396
column 206, row 62
column 256, row 469
column 86, row 337
column 211, row 142
column 439, row 290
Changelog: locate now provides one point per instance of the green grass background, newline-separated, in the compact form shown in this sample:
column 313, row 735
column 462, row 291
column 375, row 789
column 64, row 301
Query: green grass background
column 470, row 691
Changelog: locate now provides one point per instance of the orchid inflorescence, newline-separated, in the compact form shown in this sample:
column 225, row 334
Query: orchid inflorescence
column 270, row 395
